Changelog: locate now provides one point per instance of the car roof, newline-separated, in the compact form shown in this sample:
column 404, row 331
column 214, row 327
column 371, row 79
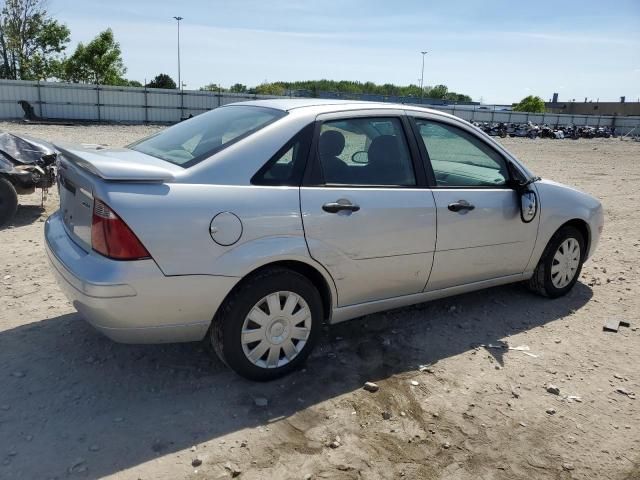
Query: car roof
column 324, row 105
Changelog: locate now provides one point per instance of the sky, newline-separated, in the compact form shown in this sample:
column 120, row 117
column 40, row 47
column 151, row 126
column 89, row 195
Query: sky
column 496, row 51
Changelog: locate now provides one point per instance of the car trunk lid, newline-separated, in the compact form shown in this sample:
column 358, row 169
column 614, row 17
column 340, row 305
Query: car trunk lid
column 80, row 168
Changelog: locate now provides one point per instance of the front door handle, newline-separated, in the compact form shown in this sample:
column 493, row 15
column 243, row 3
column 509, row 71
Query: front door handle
column 340, row 205
column 460, row 205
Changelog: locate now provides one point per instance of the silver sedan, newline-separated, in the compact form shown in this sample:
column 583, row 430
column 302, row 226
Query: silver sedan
column 256, row 222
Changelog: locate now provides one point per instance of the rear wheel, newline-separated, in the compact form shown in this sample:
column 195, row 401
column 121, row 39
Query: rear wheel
column 269, row 325
column 561, row 263
column 8, row 201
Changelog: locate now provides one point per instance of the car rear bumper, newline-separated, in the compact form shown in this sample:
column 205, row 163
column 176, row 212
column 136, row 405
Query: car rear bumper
column 133, row 301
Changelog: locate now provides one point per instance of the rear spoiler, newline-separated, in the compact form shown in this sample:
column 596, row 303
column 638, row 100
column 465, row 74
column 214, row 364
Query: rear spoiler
column 105, row 164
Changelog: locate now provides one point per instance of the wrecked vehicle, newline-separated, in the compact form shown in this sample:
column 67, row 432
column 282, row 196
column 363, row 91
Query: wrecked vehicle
column 25, row 164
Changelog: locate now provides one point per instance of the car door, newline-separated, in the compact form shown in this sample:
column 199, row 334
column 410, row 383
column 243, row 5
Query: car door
column 480, row 233
column 367, row 212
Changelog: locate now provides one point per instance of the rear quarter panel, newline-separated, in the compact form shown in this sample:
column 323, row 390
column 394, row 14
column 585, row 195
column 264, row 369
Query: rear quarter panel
column 172, row 221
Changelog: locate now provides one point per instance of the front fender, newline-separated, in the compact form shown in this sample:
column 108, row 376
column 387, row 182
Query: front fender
column 560, row 204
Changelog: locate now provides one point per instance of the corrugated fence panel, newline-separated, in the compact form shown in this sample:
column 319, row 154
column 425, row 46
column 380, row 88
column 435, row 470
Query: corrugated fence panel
column 13, row 91
column 163, row 105
column 502, row 117
column 71, row 101
column 480, row 116
column 68, row 101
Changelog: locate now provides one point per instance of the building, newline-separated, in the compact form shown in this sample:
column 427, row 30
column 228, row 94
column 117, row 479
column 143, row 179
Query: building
column 621, row 108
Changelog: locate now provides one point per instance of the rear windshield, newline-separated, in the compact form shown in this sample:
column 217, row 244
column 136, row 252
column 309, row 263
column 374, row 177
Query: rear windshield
column 193, row 140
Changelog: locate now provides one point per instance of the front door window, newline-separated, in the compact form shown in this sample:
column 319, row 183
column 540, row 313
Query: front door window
column 459, row 159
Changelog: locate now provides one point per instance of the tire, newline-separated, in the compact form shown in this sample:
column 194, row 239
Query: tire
column 542, row 281
column 233, row 316
column 8, row 201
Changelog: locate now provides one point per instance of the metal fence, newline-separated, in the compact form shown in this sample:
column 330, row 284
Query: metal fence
column 101, row 103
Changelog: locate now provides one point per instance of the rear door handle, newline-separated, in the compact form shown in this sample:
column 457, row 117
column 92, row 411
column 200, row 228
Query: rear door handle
column 340, row 205
column 460, row 205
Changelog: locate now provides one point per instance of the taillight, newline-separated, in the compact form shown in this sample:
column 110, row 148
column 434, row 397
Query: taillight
column 111, row 237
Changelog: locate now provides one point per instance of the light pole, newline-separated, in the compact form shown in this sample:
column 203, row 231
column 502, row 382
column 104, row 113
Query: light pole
column 179, row 77
column 422, row 77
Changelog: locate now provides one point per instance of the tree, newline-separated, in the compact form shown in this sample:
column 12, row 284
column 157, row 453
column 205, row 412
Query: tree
column 31, row 42
column 213, row 87
column 530, row 104
column 271, row 89
column 351, row 89
column 99, row 61
column 439, row 91
column 124, row 82
column 162, row 80
column 457, row 97
column 238, row 88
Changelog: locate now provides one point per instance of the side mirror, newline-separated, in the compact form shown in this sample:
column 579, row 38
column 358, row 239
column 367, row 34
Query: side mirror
column 528, row 205
column 360, row 157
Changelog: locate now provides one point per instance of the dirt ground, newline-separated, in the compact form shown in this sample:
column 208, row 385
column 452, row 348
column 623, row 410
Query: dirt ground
column 76, row 405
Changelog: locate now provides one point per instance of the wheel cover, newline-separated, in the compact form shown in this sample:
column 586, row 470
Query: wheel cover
column 565, row 263
column 276, row 329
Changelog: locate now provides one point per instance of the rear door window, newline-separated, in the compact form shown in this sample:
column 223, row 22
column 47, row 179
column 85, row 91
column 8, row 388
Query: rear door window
column 286, row 167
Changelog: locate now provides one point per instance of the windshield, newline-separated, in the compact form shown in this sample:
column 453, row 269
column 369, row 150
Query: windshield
column 193, row 140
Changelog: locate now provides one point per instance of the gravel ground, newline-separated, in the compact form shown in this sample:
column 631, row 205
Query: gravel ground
column 76, row 405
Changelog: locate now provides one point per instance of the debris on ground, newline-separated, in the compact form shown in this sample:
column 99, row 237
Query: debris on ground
column 553, row 389
column 613, row 324
column 524, row 349
column 233, row 468
column 335, row 443
column 495, row 345
column 504, row 346
column 371, row 387
column 78, row 466
column 261, row 401
column 624, row 391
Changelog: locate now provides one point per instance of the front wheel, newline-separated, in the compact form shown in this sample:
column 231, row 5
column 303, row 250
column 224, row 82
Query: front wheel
column 268, row 326
column 561, row 263
column 8, row 201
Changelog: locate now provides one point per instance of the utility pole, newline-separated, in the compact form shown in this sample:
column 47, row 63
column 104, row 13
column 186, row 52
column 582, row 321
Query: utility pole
column 179, row 77
column 422, row 77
